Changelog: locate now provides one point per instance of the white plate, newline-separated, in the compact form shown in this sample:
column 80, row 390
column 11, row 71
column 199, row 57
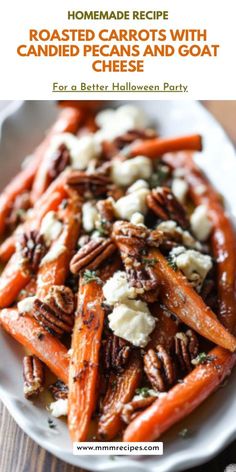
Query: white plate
column 213, row 425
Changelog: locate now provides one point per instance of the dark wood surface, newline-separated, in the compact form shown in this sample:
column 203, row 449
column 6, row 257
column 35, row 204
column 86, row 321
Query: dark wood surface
column 18, row 453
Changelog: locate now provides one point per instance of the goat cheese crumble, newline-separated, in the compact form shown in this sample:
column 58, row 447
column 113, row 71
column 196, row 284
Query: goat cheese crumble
column 59, row 408
column 51, row 227
column 200, row 223
column 194, row 265
column 132, row 321
column 26, row 305
column 117, row 289
column 113, row 123
column 89, row 216
column 180, row 189
column 132, row 203
column 126, row 172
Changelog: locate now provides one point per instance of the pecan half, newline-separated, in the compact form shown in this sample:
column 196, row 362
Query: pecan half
column 59, row 390
column 33, row 373
column 92, row 255
column 186, row 348
column 18, row 211
column 132, row 135
column 133, row 242
column 132, row 409
column 59, row 161
column 159, row 368
column 55, row 314
column 164, row 204
column 82, row 182
column 32, row 248
column 115, row 353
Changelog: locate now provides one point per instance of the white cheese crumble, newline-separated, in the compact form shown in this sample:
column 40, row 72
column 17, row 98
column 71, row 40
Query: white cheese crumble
column 179, row 188
column 26, row 305
column 113, row 123
column 117, row 289
column 194, row 265
column 132, row 203
column 82, row 149
column 138, row 185
column 171, row 228
column 137, row 219
column 89, row 216
column 59, row 408
column 132, row 321
column 56, row 250
column 200, row 223
column 51, row 227
column 126, row 172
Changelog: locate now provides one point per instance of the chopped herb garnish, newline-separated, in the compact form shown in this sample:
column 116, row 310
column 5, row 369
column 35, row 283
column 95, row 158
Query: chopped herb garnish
column 91, row 276
column 184, row 433
column 51, row 424
column 172, row 263
column 159, row 176
column 144, row 392
column 102, row 228
column 200, row 359
column 149, row 262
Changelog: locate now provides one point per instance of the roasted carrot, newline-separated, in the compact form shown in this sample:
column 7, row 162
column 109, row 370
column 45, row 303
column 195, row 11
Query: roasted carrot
column 67, row 121
column 86, row 341
column 222, row 238
column 41, row 343
column 182, row 399
column 70, row 120
column 48, row 202
column 54, row 271
column 83, row 372
column 156, row 147
column 12, row 280
column 200, row 383
column 165, row 329
column 121, row 389
column 180, row 298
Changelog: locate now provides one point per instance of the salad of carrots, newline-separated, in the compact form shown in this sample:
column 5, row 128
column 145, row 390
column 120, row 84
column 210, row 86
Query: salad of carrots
column 119, row 270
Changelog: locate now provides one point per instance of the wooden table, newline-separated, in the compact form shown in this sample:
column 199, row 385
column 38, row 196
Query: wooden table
column 21, row 454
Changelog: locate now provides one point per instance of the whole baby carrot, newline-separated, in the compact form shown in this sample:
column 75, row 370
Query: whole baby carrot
column 157, row 146
column 182, row 399
column 180, row 298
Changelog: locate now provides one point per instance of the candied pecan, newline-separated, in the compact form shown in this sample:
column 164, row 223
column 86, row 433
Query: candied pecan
column 132, row 409
column 132, row 135
column 133, row 242
column 92, row 255
column 18, row 211
column 186, row 348
column 159, row 368
column 59, row 161
column 32, row 249
column 164, row 204
column 96, row 183
column 115, row 353
column 55, row 314
column 33, row 376
column 59, row 390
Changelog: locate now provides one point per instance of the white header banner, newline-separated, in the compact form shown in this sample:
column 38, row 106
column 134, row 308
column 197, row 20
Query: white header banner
column 67, row 49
